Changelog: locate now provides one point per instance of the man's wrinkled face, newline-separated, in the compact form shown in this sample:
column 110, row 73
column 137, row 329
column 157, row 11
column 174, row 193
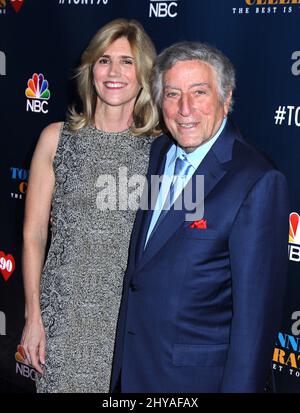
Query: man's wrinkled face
column 191, row 105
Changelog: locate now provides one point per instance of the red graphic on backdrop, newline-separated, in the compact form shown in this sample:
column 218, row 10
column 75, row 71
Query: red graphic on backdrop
column 294, row 222
column 294, row 234
column 17, row 4
column 7, row 265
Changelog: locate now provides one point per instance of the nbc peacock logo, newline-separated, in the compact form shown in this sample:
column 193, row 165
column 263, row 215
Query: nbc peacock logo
column 38, row 87
column 294, row 237
column 37, row 94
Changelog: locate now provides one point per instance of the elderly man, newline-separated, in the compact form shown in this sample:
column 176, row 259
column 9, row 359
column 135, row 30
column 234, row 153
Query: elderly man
column 203, row 299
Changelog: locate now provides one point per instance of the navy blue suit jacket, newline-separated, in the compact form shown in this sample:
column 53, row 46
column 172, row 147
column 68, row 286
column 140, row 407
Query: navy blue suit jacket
column 201, row 307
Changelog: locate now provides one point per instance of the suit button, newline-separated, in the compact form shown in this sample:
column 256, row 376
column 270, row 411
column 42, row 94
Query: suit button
column 133, row 287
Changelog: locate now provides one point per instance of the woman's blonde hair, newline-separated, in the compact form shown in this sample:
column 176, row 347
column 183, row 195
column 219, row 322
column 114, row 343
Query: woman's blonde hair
column 145, row 115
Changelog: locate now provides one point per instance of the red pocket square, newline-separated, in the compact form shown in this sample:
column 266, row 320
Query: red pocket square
column 200, row 224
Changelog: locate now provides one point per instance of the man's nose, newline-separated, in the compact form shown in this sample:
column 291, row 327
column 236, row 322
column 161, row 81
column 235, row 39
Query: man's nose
column 185, row 105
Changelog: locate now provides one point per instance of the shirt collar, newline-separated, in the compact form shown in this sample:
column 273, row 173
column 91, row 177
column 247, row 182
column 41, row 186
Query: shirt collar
column 193, row 157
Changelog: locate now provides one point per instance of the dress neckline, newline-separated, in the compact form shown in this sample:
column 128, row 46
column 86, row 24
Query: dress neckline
column 125, row 131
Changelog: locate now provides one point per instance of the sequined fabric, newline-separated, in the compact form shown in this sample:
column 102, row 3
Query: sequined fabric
column 81, row 282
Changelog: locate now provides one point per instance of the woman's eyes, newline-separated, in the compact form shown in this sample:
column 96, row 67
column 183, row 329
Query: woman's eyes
column 105, row 61
column 127, row 61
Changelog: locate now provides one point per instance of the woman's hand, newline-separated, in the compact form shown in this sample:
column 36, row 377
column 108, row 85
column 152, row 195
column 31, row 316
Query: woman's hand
column 34, row 343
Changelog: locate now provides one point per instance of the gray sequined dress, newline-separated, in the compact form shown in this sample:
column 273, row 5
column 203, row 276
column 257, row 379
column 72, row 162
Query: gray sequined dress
column 81, row 283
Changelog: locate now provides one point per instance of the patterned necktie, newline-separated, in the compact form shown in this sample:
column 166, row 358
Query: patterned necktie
column 182, row 167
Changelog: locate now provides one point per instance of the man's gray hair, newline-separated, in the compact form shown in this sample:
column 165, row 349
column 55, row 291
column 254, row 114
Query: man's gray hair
column 183, row 51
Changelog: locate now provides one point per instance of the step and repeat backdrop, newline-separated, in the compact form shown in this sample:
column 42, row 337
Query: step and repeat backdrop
column 42, row 40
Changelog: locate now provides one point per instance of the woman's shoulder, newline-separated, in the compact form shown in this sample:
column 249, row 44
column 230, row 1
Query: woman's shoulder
column 143, row 142
column 148, row 139
column 49, row 138
column 51, row 133
column 52, row 130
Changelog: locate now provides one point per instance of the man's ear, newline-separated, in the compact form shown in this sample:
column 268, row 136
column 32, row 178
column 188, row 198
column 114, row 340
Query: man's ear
column 227, row 103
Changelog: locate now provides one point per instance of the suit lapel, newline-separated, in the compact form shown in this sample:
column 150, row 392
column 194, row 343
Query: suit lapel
column 144, row 216
column 214, row 166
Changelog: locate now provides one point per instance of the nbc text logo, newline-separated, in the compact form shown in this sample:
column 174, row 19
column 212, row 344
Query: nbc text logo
column 22, row 365
column 160, row 8
column 294, row 237
column 37, row 93
column 296, row 65
column 2, row 324
column 20, row 176
column 2, row 64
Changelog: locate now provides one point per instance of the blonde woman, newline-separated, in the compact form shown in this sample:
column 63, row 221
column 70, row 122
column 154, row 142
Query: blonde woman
column 72, row 300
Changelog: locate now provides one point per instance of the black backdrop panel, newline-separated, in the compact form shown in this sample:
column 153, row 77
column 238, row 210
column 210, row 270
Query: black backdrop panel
column 47, row 37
